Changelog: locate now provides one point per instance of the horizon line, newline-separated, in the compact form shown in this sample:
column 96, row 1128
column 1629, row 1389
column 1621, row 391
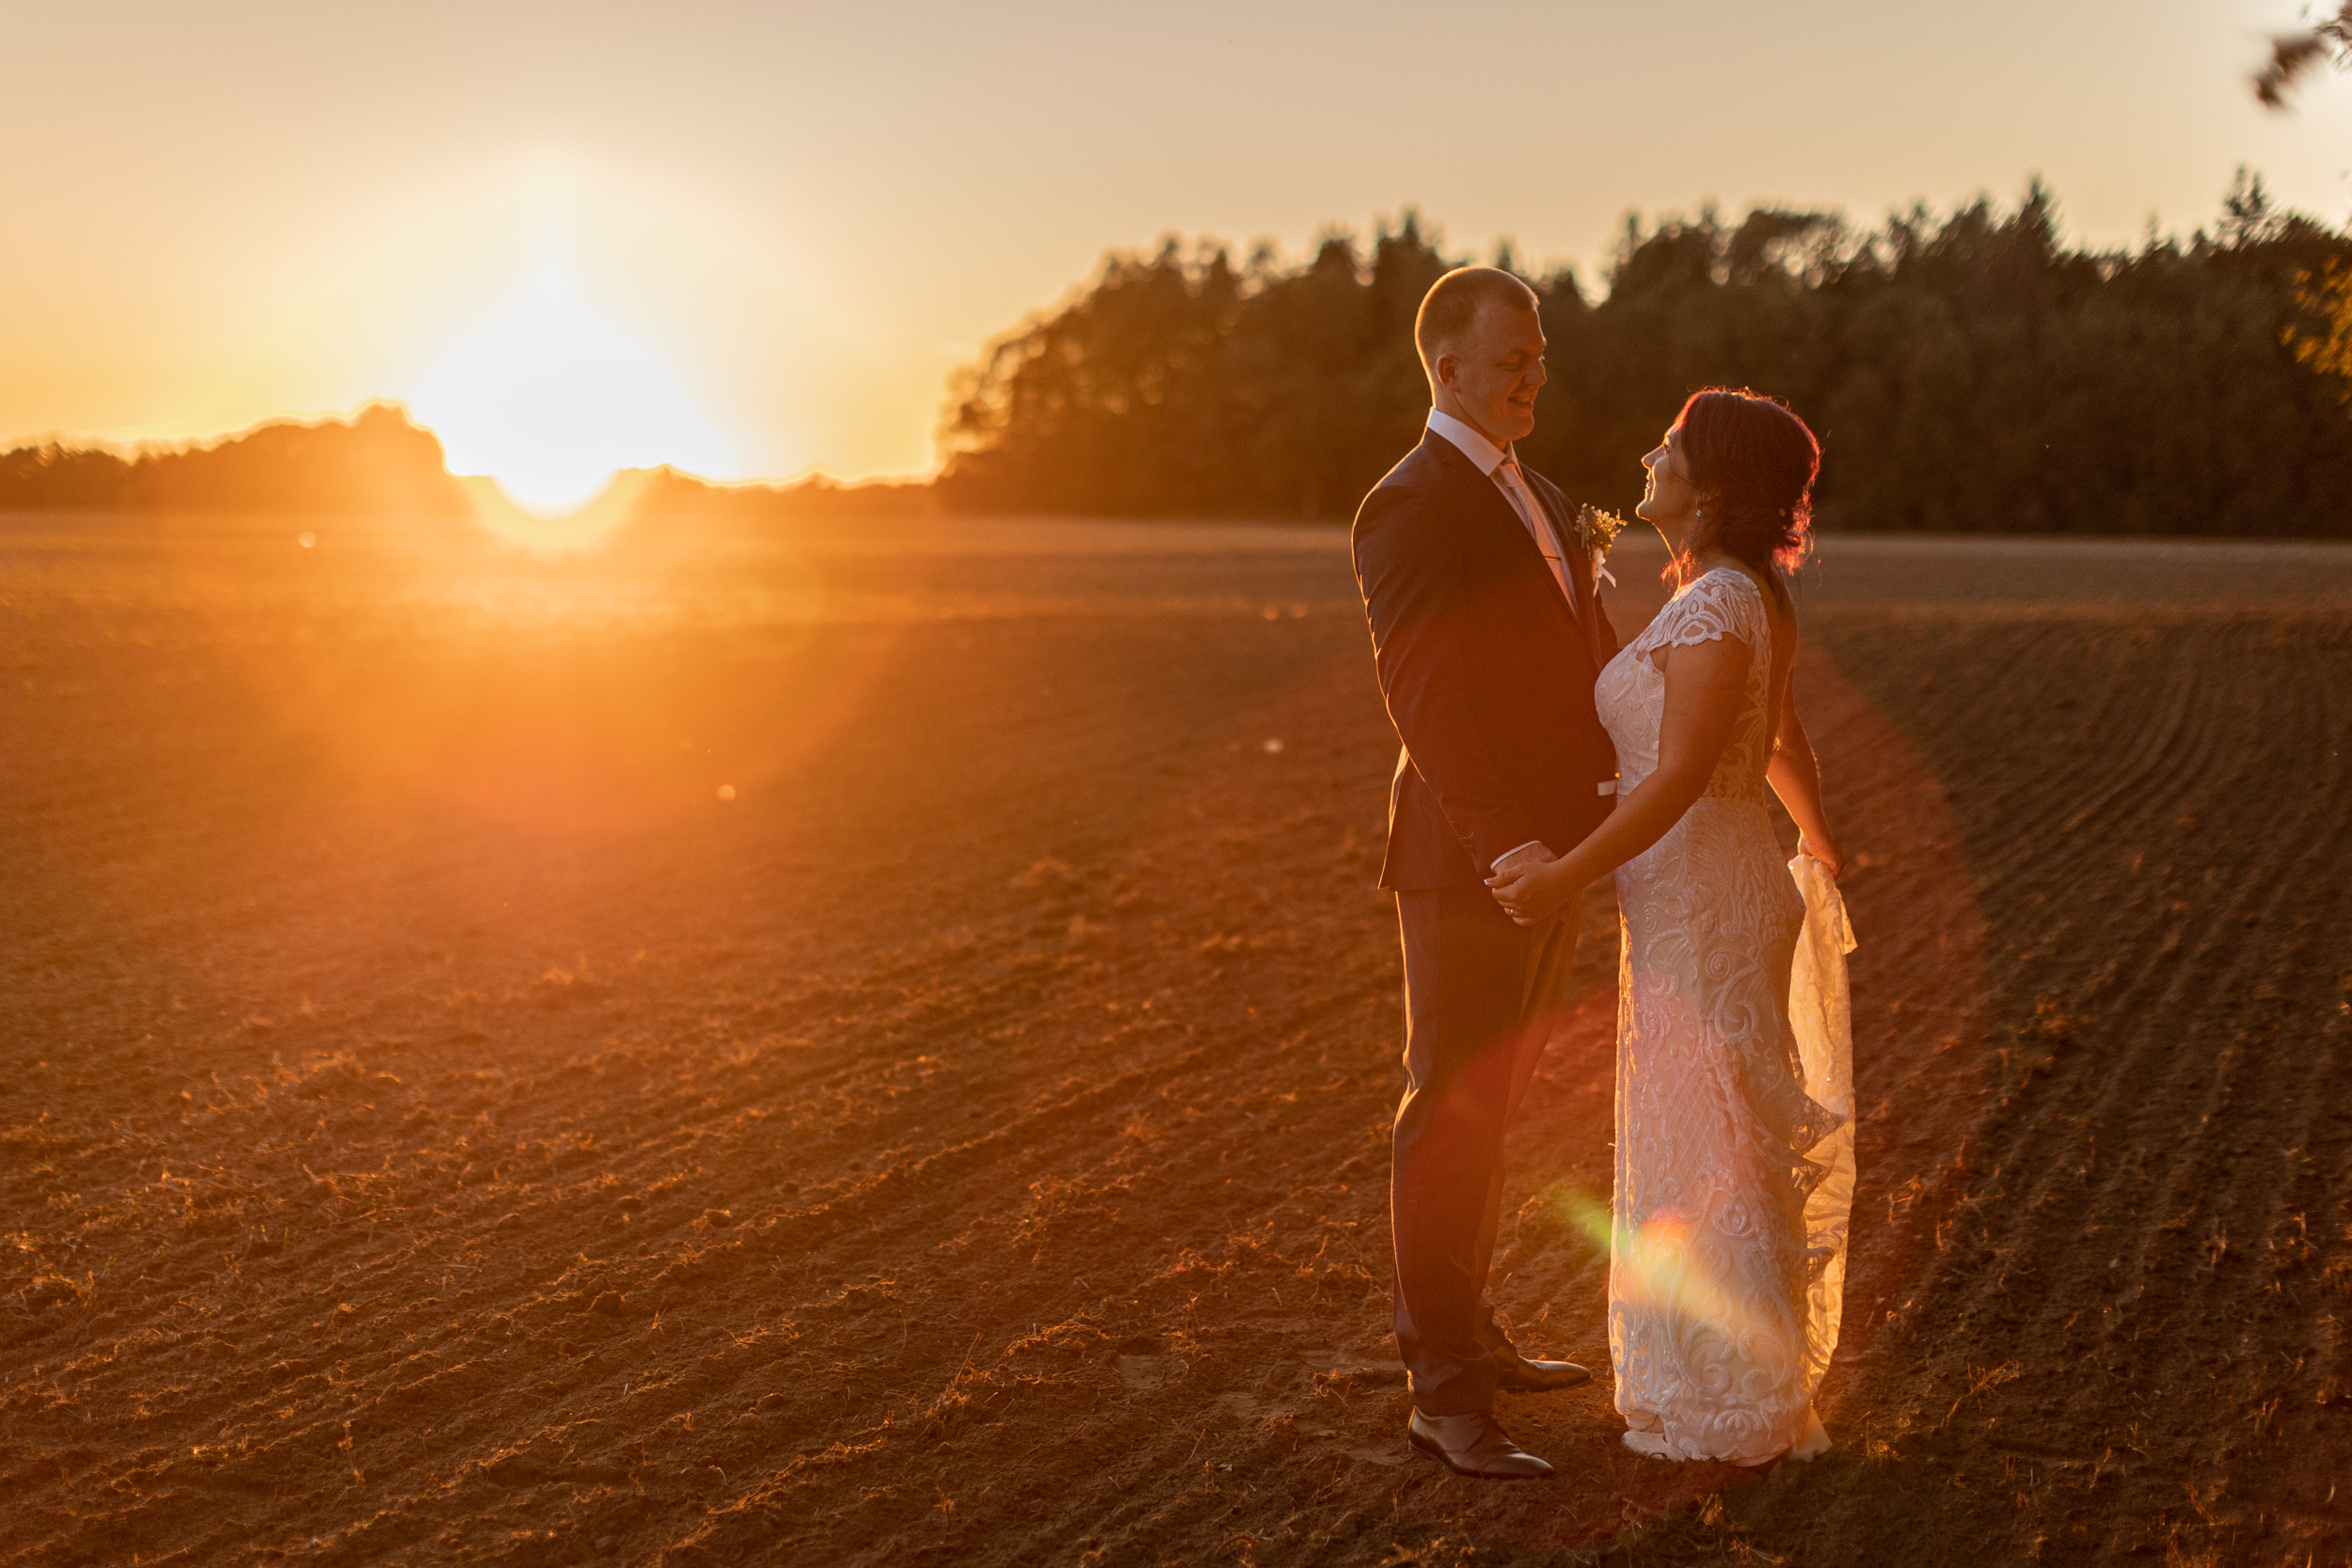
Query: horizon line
column 138, row 450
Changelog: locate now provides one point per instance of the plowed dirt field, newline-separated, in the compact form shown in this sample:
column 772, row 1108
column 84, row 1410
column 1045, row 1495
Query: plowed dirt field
column 875, row 1044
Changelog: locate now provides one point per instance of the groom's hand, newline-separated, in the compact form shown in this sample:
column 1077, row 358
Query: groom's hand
column 1526, row 898
column 1523, row 859
column 1529, row 884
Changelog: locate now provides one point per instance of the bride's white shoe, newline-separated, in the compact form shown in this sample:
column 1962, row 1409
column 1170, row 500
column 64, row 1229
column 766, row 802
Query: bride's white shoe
column 1645, row 1435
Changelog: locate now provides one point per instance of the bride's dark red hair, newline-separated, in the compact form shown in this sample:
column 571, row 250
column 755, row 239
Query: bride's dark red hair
column 1753, row 463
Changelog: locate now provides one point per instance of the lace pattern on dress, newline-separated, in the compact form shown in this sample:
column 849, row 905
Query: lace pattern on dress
column 1726, row 606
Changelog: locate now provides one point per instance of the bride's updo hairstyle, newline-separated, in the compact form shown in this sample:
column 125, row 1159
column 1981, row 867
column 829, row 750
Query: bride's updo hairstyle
column 1753, row 463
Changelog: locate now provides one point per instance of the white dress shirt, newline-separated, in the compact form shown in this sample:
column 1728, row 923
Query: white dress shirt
column 1501, row 466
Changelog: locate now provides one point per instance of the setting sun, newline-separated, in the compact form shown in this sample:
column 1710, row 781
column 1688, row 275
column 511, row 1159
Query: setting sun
column 552, row 399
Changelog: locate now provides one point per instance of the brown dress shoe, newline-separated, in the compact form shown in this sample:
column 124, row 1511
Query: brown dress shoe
column 1475, row 1446
column 1522, row 1375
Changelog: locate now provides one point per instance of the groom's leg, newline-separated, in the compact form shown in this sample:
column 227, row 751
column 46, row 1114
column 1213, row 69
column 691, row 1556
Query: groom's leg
column 1464, row 979
column 1550, row 953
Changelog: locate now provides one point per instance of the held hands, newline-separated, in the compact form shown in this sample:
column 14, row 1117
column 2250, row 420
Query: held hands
column 1532, row 886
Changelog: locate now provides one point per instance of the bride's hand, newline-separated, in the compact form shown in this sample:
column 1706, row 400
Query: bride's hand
column 1534, row 895
column 1826, row 851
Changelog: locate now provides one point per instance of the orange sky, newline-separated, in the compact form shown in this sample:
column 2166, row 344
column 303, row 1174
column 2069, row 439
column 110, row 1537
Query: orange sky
column 773, row 228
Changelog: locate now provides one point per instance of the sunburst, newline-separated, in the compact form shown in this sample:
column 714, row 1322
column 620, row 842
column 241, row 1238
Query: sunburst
column 553, row 399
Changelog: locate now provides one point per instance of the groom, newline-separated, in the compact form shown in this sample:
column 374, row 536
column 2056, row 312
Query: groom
column 1487, row 633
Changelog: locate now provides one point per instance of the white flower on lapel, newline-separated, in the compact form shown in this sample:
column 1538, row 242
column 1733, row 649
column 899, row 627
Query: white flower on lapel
column 1597, row 529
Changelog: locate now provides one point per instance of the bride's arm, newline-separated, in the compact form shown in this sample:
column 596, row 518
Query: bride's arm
column 1795, row 776
column 1705, row 683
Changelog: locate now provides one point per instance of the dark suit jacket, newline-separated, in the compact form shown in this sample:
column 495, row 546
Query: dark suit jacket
column 1488, row 673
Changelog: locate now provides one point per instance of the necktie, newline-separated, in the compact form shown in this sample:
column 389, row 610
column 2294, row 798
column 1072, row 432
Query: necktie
column 1538, row 523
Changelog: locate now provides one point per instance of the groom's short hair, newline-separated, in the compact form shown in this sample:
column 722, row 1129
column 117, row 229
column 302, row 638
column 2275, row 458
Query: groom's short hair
column 1452, row 304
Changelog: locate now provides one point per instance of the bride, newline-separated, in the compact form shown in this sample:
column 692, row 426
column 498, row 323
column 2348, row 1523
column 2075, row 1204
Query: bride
column 1735, row 1141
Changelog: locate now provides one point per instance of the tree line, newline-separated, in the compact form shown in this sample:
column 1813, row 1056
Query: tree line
column 377, row 462
column 1967, row 373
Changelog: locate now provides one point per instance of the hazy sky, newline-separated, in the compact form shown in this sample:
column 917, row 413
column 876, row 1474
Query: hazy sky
column 797, row 219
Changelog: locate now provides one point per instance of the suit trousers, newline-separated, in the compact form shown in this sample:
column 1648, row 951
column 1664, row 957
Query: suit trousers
column 1481, row 998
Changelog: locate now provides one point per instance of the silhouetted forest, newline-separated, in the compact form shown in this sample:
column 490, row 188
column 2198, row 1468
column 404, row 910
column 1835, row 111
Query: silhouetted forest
column 377, row 462
column 671, row 498
column 1967, row 373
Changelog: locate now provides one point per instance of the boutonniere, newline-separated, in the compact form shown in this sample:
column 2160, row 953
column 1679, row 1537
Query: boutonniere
column 1597, row 531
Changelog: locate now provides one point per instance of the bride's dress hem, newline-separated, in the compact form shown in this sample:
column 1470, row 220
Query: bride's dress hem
column 1652, row 1443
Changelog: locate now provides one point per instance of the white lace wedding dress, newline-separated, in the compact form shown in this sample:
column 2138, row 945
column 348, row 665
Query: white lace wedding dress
column 1735, row 1129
